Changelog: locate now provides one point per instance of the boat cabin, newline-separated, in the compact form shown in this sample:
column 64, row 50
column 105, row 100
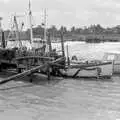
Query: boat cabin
column 113, row 56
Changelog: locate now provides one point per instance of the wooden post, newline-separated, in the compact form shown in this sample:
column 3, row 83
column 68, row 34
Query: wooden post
column 48, row 72
column 68, row 59
column 3, row 40
column 62, row 44
column 113, row 61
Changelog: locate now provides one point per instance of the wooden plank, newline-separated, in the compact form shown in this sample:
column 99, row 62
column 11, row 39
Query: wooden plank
column 31, row 57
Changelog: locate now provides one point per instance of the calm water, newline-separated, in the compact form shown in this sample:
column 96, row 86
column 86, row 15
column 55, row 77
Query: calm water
column 64, row 99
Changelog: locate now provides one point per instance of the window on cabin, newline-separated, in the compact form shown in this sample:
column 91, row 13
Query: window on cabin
column 110, row 57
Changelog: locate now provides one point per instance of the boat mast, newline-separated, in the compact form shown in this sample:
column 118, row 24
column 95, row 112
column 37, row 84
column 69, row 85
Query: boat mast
column 45, row 26
column 30, row 18
column 17, row 31
column 45, row 32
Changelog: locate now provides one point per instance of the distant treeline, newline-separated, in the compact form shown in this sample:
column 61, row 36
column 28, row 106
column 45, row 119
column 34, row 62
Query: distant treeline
column 54, row 32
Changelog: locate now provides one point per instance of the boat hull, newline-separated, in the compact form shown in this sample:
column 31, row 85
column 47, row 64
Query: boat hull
column 96, row 71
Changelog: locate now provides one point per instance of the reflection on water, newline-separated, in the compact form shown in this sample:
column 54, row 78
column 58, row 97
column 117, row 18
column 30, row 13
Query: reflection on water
column 68, row 99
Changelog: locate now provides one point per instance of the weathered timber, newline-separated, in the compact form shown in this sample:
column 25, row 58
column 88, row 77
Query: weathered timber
column 28, row 72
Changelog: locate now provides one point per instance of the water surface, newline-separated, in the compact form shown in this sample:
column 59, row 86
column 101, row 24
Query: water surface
column 64, row 99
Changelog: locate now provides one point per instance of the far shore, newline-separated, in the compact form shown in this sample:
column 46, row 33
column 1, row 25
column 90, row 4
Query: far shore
column 84, row 37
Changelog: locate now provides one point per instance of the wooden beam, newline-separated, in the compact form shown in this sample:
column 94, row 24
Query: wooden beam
column 30, row 57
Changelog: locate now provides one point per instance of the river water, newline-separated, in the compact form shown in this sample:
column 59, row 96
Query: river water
column 64, row 99
column 88, row 50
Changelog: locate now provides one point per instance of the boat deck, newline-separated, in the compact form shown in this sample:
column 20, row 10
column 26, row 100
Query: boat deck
column 68, row 99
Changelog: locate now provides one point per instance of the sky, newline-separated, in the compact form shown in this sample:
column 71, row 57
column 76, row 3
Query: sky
column 68, row 13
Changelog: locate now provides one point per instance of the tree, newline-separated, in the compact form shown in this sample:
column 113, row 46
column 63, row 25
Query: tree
column 73, row 29
column 63, row 29
column 52, row 30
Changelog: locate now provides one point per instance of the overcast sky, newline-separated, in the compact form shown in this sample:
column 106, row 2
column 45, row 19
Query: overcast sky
column 64, row 12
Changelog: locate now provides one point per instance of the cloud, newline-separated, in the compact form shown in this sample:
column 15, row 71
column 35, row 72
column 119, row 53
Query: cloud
column 66, row 12
column 5, row 1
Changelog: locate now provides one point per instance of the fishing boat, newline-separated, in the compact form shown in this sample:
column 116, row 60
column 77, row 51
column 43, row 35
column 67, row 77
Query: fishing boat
column 20, row 55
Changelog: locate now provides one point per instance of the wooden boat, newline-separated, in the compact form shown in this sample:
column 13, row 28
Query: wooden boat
column 101, row 69
column 17, row 54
